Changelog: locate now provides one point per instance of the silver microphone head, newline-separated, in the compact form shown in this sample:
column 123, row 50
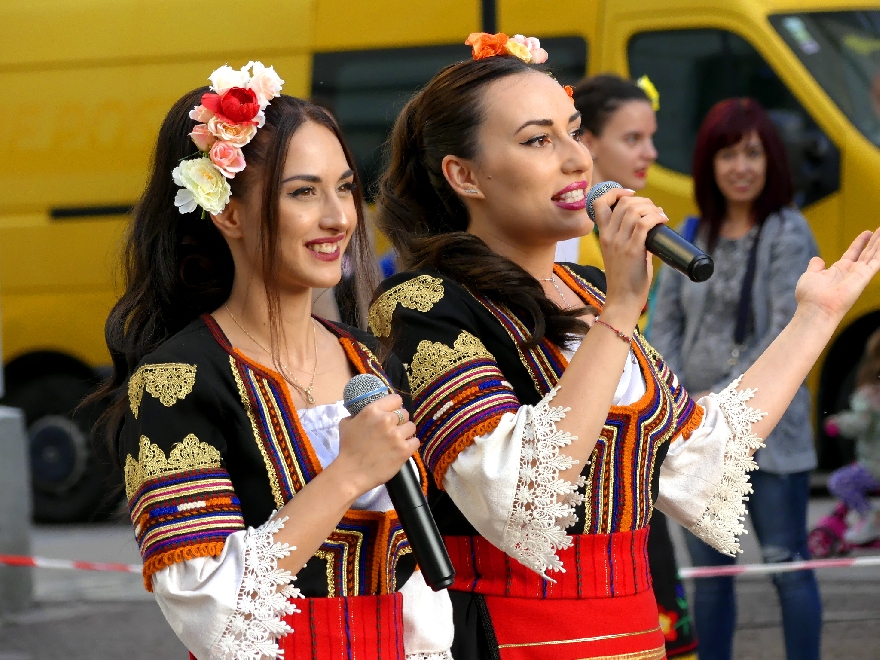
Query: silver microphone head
column 597, row 191
column 361, row 391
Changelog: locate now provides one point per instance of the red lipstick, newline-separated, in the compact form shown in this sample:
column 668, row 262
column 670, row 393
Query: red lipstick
column 573, row 197
column 326, row 248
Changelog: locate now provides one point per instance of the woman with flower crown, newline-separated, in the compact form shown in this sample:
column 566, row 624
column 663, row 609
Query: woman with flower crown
column 549, row 427
column 241, row 472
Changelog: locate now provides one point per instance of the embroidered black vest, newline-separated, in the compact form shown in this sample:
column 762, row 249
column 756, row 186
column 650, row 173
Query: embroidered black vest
column 467, row 368
column 245, row 455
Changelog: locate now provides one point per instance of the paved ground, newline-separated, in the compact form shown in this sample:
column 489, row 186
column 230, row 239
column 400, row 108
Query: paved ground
column 108, row 616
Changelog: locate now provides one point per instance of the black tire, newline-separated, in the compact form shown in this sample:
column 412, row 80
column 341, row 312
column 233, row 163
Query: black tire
column 69, row 482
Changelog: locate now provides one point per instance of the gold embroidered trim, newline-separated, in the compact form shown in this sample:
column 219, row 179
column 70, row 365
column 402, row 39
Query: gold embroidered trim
column 420, row 293
column 650, row 350
column 584, row 640
column 331, row 579
column 433, row 359
column 246, row 402
column 369, row 353
column 653, row 654
column 406, row 551
column 166, row 382
column 191, row 454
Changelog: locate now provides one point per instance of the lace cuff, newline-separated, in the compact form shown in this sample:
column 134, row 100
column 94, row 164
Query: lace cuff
column 543, row 505
column 722, row 521
column 440, row 655
column 254, row 628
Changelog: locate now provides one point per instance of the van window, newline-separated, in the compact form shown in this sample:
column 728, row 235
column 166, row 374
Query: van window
column 694, row 69
column 366, row 90
column 841, row 49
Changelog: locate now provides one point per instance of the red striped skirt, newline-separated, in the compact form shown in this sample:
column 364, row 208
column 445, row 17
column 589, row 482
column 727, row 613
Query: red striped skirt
column 362, row 627
column 602, row 606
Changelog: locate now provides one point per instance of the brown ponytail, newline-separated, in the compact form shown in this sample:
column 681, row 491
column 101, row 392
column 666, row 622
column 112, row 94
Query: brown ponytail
column 424, row 218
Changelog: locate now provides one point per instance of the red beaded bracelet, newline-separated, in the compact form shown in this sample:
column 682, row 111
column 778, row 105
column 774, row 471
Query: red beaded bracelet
column 622, row 336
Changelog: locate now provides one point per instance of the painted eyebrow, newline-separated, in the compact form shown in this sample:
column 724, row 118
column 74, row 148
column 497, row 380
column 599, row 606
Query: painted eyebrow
column 545, row 122
column 311, row 178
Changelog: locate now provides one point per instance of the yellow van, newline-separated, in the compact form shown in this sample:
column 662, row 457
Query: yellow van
column 87, row 83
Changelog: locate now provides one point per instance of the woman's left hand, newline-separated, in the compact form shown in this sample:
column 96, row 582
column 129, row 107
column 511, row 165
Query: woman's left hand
column 833, row 290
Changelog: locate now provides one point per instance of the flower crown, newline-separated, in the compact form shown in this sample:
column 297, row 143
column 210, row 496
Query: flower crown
column 230, row 116
column 528, row 49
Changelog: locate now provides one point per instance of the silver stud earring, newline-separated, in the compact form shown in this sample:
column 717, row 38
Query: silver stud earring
column 472, row 191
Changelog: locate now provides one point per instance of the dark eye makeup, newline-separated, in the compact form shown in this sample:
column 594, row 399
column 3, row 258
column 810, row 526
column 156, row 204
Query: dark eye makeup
column 544, row 138
column 538, row 140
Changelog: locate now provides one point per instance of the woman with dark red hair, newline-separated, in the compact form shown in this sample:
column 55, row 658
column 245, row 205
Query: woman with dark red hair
column 706, row 332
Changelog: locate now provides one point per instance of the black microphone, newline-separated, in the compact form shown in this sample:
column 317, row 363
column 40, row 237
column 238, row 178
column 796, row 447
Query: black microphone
column 406, row 494
column 662, row 241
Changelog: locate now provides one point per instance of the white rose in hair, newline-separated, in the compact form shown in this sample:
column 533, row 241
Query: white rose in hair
column 202, row 184
column 226, row 77
column 265, row 83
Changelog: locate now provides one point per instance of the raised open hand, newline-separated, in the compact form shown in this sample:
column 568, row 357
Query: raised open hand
column 833, row 290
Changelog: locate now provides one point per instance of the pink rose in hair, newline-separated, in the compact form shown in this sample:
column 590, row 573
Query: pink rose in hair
column 202, row 137
column 200, row 113
column 237, row 135
column 539, row 55
column 227, row 158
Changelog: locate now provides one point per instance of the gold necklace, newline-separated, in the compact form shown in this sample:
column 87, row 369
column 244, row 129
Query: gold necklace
column 552, row 280
column 289, row 377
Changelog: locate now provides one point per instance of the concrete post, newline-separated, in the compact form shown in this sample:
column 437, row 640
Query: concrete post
column 2, row 381
column 16, row 583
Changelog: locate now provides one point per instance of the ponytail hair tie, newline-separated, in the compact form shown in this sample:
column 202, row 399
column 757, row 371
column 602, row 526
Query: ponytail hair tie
column 644, row 83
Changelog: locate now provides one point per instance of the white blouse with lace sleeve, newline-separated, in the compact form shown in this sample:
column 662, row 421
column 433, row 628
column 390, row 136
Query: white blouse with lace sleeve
column 515, row 470
column 230, row 607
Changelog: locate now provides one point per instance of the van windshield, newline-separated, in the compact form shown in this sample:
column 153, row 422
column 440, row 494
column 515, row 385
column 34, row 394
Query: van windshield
column 841, row 49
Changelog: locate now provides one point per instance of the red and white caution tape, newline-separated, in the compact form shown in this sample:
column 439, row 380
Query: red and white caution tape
column 784, row 567
column 684, row 573
column 43, row 562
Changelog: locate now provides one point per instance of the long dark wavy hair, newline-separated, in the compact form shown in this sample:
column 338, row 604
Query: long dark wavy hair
column 725, row 125
column 424, row 218
column 177, row 267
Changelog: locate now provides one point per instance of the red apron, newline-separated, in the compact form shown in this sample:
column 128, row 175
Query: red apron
column 601, row 607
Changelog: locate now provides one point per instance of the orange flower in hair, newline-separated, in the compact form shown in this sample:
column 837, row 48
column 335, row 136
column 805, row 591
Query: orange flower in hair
column 487, row 45
column 570, row 91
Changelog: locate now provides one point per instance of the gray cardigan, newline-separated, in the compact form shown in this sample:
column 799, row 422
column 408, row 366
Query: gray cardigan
column 786, row 247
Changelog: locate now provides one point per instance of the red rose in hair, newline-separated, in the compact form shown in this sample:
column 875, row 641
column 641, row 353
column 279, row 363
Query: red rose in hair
column 487, row 45
column 236, row 105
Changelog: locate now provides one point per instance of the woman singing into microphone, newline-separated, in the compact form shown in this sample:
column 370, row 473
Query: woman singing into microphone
column 549, row 427
column 228, row 404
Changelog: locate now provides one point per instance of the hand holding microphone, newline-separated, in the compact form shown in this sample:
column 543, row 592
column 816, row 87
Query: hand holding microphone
column 403, row 487
column 662, row 241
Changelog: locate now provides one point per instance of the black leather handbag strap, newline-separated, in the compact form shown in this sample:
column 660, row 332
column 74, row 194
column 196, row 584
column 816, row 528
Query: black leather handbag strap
column 743, row 311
